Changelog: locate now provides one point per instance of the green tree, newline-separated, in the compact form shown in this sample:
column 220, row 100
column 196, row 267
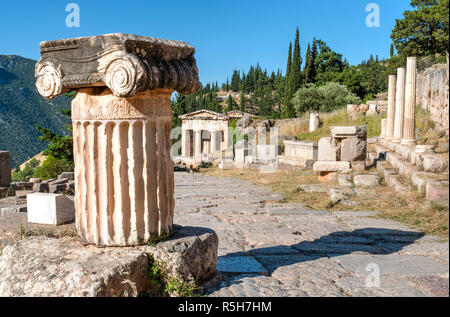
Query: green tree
column 391, row 52
column 59, row 146
column 27, row 172
column 51, row 168
column 230, row 104
column 325, row 98
column 289, row 61
column 242, row 103
column 423, row 31
column 295, row 79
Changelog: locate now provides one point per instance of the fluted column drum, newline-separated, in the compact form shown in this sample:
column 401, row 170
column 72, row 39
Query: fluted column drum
column 123, row 170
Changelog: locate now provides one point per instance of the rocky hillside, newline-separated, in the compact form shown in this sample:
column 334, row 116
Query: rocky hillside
column 21, row 108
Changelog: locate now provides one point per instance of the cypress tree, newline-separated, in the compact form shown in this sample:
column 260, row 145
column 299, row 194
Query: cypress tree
column 392, row 50
column 242, row 106
column 308, row 66
column 289, row 62
column 229, row 104
column 296, row 75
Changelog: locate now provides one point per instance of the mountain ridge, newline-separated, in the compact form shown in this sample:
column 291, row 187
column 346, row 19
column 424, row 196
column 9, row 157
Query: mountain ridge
column 22, row 107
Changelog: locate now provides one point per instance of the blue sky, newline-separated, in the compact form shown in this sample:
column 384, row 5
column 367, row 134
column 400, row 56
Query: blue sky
column 227, row 35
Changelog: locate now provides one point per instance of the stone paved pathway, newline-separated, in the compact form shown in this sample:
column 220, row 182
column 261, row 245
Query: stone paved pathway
column 272, row 249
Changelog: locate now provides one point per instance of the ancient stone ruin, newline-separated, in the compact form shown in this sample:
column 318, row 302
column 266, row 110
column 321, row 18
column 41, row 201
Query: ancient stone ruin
column 5, row 169
column 121, row 126
column 299, row 153
column 345, row 150
column 397, row 154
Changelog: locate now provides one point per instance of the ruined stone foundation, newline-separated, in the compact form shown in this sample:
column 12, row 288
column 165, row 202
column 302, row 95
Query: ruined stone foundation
column 123, row 170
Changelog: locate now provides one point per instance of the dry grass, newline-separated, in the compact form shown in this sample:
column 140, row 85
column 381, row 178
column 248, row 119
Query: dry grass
column 410, row 208
column 340, row 118
column 294, row 127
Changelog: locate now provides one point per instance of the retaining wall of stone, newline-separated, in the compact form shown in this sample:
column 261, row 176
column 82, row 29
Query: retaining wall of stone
column 432, row 93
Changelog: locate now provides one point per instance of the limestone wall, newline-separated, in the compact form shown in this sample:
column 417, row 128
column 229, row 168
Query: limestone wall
column 432, row 93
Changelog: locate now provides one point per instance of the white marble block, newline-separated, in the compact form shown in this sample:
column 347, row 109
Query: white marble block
column 50, row 209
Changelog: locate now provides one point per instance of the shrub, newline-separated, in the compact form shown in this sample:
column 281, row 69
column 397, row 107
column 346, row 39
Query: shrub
column 325, row 98
column 51, row 168
column 27, row 172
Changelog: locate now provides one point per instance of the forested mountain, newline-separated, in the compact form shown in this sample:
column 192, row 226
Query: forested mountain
column 21, row 108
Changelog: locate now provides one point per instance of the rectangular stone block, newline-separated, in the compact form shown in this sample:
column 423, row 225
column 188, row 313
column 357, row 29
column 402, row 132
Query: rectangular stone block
column 12, row 210
column 68, row 175
column 41, row 188
column 358, row 166
column 302, row 150
column 329, row 150
column 438, row 192
column 327, row 166
column 353, row 149
column 226, row 165
column 240, row 154
column 345, row 132
column 267, row 151
column 5, row 168
column 50, row 209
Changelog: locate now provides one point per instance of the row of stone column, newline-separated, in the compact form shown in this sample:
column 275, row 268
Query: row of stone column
column 185, row 143
column 402, row 105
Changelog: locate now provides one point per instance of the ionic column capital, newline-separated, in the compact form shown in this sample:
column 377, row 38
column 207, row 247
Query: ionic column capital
column 126, row 64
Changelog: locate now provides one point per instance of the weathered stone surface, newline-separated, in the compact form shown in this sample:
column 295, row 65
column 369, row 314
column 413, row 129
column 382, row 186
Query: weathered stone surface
column 340, row 194
column 329, row 149
column 240, row 264
column 366, row 180
column 22, row 185
column 432, row 94
column 35, row 180
column 353, row 149
column 189, row 254
column 425, row 149
column 438, row 192
column 226, row 165
column 125, row 63
column 350, row 131
column 345, row 180
column 328, row 166
column 45, row 267
column 302, row 150
column 23, row 193
column 51, row 209
column 64, row 267
column 5, row 168
column 328, row 177
column 12, row 210
column 67, row 175
column 435, row 164
column 372, row 110
column 358, row 166
column 41, row 187
column 314, row 122
column 352, row 110
column 131, row 136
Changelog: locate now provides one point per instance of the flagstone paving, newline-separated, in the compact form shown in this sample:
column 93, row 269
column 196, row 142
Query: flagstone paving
column 267, row 248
